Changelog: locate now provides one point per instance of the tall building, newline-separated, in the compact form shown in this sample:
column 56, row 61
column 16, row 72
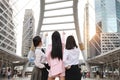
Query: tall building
column 8, row 57
column 108, row 20
column 95, row 42
column 28, row 31
column 108, row 12
column 109, row 41
column 7, row 33
column 107, row 17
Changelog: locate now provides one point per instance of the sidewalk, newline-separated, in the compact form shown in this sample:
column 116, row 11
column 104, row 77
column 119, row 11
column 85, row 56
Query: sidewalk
column 28, row 78
column 17, row 78
column 93, row 79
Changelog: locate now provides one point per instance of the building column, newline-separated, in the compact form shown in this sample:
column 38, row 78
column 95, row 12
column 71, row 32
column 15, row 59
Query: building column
column 91, row 73
column 1, row 62
column 103, row 72
column 112, row 70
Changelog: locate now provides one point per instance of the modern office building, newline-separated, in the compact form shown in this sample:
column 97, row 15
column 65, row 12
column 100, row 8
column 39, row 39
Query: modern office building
column 8, row 57
column 95, row 42
column 108, row 13
column 28, row 31
column 109, row 41
column 107, row 17
column 7, row 33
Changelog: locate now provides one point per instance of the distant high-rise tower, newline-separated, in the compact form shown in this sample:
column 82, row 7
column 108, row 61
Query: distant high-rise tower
column 107, row 23
column 28, row 31
column 7, row 33
column 95, row 43
column 108, row 13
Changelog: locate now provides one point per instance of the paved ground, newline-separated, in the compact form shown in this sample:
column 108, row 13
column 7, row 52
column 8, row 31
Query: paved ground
column 28, row 78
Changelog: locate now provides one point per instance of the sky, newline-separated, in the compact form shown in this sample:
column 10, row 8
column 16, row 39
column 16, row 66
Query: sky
column 19, row 10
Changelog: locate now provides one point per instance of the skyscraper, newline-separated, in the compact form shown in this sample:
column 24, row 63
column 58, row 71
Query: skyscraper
column 7, row 33
column 95, row 42
column 28, row 31
column 108, row 13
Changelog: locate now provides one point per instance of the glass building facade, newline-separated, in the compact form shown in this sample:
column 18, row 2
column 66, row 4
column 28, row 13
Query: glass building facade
column 108, row 12
column 118, row 14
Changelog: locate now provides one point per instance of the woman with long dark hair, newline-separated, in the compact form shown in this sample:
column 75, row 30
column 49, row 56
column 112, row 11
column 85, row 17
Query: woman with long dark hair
column 71, row 59
column 54, row 54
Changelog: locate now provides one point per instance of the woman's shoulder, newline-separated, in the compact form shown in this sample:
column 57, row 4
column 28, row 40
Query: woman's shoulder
column 72, row 50
column 38, row 50
column 66, row 51
column 76, row 49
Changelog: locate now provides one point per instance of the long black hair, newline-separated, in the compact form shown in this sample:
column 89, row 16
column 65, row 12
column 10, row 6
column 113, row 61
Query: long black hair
column 70, row 42
column 56, row 51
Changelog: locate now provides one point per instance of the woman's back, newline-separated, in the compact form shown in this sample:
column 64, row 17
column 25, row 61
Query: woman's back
column 71, row 57
column 56, row 65
column 55, row 58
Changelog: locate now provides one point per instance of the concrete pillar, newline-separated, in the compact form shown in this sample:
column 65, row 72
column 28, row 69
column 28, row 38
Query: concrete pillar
column 24, row 68
column 91, row 73
column 112, row 70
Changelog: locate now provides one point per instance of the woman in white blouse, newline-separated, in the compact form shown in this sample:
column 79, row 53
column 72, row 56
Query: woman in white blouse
column 40, row 61
column 71, row 59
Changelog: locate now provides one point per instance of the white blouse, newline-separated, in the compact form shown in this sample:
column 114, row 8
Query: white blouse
column 71, row 57
column 40, row 58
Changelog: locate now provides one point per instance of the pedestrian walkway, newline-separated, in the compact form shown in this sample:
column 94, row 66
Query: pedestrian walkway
column 17, row 78
column 28, row 78
column 93, row 79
